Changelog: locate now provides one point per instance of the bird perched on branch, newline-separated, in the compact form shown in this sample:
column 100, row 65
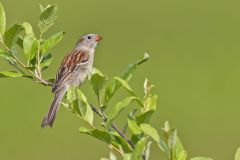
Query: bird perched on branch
column 74, row 70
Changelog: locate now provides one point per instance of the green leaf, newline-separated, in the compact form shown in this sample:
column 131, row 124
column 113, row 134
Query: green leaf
column 81, row 96
column 147, row 86
column 133, row 127
column 150, row 131
column 46, row 60
column 116, row 110
column 75, row 107
column 71, row 94
column 120, row 142
column 149, row 107
column 11, row 35
column 126, row 156
column 128, row 88
column 127, row 75
column 42, row 8
column 139, row 150
column 172, row 145
column 201, row 158
column 150, row 103
column 79, row 104
column 145, row 117
column 98, row 81
column 2, row 20
column 125, row 85
column 84, row 107
column 4, row 74
column 166, row 127
column 130, row 116
column 30, row 47
column 4, row 54
column 28, row 28
column 47, row 17
column 147, row 151
column 237, row 155
column 51, row 42
column 111, row 157
column 163, row 146
column 20, row 42
column 172, row 138
column 178, row 151
column 99, row 134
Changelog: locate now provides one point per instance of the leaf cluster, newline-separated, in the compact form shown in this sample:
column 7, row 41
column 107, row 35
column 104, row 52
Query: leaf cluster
column 25, row 50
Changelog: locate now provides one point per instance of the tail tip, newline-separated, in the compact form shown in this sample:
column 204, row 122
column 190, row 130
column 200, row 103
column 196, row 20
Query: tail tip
column 45, row 123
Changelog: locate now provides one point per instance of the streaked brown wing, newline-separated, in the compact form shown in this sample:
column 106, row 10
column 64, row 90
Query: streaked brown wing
column 69, row 64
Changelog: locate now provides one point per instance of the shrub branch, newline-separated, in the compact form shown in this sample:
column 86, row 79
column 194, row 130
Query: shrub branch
column 104, row 118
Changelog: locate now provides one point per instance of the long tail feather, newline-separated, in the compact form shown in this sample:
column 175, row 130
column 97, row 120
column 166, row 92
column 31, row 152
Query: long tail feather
column 50, row 116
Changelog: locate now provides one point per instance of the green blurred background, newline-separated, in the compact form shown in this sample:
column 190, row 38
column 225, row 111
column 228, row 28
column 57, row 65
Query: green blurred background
column 195, row 54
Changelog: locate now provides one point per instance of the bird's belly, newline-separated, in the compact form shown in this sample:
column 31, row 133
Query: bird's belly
column 81, row 76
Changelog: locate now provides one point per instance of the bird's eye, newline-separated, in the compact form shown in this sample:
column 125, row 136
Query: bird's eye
column 89, row 37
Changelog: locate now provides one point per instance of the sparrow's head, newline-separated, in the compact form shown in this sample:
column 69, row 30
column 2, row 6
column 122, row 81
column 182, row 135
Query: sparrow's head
column 89, row 41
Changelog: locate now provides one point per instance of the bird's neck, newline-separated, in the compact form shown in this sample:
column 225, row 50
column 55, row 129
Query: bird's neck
column 85, row 47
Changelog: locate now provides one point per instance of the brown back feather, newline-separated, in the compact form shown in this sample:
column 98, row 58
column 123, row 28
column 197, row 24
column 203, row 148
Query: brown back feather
column 69, row 64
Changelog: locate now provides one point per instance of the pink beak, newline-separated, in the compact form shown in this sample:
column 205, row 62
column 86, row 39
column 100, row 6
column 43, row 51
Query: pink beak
column 98, row 38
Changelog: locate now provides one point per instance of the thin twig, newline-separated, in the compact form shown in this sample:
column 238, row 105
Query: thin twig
column 113, row 126
column 115, row 149
column 38, row 57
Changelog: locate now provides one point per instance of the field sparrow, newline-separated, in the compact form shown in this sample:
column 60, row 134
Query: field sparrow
column 74, row 70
